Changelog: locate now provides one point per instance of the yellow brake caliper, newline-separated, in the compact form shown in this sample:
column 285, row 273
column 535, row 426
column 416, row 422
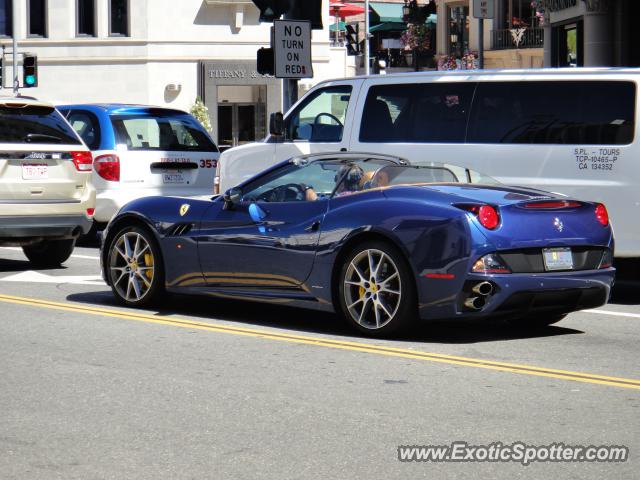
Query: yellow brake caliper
column 148, row 262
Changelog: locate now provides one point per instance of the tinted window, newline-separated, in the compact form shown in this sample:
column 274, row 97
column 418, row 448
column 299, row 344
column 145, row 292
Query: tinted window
column 86, row 17
column 6, row 19
column 119, row 17
column 321, row 117
column 86, row 125
column 174, row 133
column 417, row 113
column 569, row 112
column 35, row 125
column 37, row 18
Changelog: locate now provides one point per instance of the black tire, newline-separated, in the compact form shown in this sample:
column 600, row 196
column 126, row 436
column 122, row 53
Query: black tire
column 383, row 313
column 49, row 253
column 535, row 321
column 127, row 267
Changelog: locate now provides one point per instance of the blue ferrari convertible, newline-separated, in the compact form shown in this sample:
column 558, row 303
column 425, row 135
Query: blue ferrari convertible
column 380, row 241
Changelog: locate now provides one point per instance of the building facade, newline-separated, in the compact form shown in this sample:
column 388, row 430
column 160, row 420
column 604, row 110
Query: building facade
column 160, row 52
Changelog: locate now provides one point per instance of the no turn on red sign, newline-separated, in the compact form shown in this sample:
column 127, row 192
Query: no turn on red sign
column 292, row 49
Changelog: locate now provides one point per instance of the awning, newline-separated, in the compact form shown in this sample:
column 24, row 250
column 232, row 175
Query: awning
column 388, row 27
column 387, row 12
column 341, row 26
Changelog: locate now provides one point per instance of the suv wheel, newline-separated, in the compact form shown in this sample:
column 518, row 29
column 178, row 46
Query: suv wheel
column 50, row 253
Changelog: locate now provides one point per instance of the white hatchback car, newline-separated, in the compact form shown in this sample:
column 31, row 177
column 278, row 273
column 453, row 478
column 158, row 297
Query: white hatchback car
column 46, row 197
column 142, row 151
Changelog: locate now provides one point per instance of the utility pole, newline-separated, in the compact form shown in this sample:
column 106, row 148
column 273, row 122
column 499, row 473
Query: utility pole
column 14, row 10
column 367, row 67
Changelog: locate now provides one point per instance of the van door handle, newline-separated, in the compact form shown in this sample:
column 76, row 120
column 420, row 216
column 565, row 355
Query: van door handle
column 343, row 149
column 313, row 227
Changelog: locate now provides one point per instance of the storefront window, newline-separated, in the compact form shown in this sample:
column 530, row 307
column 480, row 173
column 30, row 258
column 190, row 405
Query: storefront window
column 458, row 31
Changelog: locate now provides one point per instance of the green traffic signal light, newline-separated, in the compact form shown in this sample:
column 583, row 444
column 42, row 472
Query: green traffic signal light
column 30, row 71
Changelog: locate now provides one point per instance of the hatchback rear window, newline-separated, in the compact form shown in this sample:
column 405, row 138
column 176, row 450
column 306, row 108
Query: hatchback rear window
column 176, row 133
column 35, row 124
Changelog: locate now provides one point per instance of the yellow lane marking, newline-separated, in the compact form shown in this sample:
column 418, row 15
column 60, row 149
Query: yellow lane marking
column 329, row 343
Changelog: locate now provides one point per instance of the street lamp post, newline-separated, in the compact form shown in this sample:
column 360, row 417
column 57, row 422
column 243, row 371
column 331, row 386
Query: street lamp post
column 413, row 14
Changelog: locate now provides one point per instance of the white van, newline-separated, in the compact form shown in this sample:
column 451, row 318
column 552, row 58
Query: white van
column 572, row 131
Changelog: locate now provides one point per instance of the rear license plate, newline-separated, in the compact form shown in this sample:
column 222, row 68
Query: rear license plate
column 557, row 258
column 34, row 171
column 173, row 178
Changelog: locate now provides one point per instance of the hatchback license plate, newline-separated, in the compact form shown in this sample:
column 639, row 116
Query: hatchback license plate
column 34, row 171
column 557, row 258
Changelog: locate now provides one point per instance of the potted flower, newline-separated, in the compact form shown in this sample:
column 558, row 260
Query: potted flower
column 415, row 40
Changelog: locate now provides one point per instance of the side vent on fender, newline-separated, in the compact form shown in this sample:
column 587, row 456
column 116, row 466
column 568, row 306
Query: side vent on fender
column 179, row 229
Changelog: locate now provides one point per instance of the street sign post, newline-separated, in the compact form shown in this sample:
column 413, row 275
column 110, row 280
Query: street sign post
column 483, row 9
column 292, row 49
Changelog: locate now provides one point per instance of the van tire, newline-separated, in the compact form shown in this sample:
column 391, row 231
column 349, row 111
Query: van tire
column 49, row 253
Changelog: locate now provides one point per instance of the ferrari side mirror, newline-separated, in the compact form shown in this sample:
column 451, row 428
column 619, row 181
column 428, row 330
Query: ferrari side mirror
column 276, row 124
column 231, row 197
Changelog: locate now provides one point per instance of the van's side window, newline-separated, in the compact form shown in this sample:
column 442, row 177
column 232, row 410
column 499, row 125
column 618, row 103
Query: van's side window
column 321, row 117
column 553, row 112
column 417, row 113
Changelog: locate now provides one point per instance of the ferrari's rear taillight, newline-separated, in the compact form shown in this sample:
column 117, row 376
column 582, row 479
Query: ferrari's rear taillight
column 487, row 215
column 602, row 215
column 491, row 263
column 82, row 160
column 108, row 167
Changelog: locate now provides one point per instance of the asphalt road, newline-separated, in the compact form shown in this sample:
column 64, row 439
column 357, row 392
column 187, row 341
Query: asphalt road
column 212, row 389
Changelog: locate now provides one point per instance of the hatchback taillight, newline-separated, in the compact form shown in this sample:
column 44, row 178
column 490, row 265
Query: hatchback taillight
column 108, row 167
column 82, row 160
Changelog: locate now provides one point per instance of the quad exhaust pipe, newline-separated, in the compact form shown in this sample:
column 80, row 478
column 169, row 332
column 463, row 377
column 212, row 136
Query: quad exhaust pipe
column 484, row 290
column 474, row 303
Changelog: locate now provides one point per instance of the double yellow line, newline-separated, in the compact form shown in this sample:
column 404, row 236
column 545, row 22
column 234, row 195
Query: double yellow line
column 329, row 343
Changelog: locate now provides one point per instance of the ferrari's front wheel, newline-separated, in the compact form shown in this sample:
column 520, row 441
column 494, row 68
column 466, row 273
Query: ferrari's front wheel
column 376, row 290
column 134, row 267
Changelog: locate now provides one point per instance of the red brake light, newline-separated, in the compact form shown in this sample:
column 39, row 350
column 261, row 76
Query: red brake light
column 108, row 167
column 602, row 215
column 82, row 160
column 488, row 217
column 90, row 212
column 553, row 204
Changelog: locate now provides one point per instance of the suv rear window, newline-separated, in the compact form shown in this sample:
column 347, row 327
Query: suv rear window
column 35, row 124
column 175, row 133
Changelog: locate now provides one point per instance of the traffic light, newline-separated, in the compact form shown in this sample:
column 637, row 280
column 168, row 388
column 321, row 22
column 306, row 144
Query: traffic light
column 265, row 61
column 351, row 37
column 307, row 10
column 310, row 10
column 271, row 10
column 29, row 71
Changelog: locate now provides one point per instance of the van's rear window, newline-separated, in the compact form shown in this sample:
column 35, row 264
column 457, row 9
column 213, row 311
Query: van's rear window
column 178, row 133
column 35, row 125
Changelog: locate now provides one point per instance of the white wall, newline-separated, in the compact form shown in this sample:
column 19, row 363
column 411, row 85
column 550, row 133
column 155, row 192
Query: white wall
column 167, row 40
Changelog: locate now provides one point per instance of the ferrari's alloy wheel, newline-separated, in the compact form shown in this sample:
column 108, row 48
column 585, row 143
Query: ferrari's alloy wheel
column 132, row 266
column 372, row 289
